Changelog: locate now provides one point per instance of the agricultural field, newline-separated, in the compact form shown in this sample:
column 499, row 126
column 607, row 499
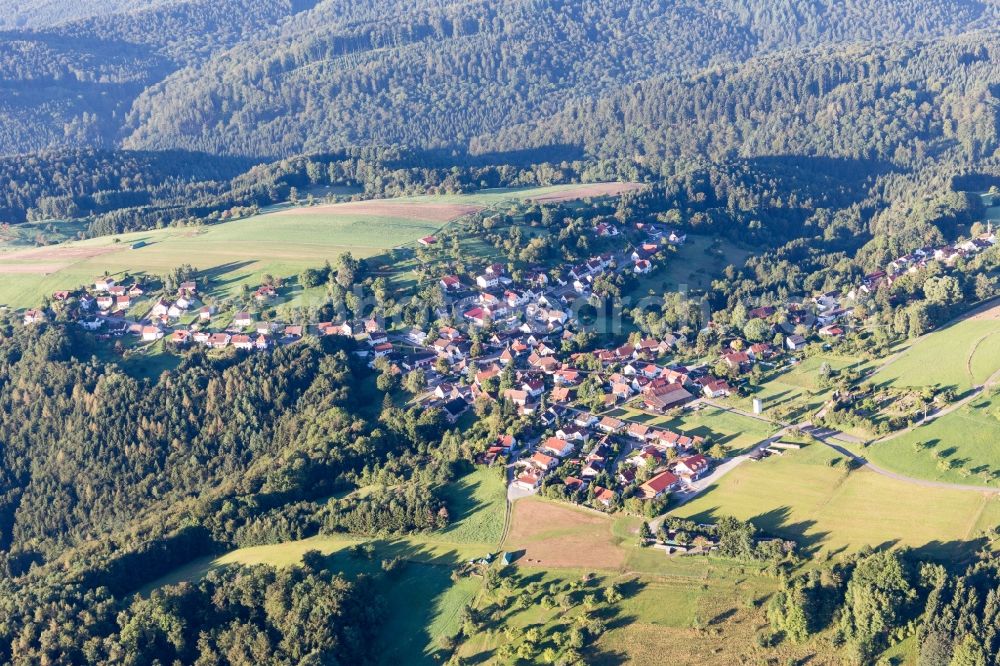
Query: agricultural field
column 282, row 241
column 961, row 447
column 811, row 496
column 962, row 355
column 550, row 534
column 231, row 254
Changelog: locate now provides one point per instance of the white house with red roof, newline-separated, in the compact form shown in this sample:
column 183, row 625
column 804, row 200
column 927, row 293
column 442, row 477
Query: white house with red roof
column 557, row 447
column 151, row 333
column 691, row 467
column 543, row 462
column 662, row 483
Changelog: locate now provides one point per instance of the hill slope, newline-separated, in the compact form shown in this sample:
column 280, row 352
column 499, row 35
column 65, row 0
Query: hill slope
column 437, row 77
column 899, row 102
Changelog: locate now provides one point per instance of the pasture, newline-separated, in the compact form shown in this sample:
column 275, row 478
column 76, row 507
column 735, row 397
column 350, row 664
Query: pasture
column 960, row 447
column 811, row 497
column 686, row 607
column 692, row 266
column 795, row 393
column 960, row 355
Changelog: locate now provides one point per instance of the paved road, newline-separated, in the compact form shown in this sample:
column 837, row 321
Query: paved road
column 826, row 435
column 863, row 462
column 695, row 488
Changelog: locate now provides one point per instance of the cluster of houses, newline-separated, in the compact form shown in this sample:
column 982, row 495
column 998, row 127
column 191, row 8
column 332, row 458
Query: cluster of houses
column 623, row 452
column 914, row 262
column 106, row 308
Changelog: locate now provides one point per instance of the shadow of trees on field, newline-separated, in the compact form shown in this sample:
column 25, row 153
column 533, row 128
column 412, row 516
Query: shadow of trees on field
column 775, row 522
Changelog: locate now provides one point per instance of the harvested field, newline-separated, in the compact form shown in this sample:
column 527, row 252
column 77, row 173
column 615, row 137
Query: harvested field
column 64, row 253
column 585, row 191
column 29, row 269
column 558, row 535
column 428, row 212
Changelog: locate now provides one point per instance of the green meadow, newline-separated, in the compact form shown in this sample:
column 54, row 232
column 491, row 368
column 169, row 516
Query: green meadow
column 961, row 355
column 231, row 253
column 960, row 447
column 812, row 497
column 795, row 393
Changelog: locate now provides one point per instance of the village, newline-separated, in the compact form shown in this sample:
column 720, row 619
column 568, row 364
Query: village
column 511, row 341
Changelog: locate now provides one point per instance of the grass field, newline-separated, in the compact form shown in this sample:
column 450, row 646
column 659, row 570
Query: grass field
column 477, row 503
column 796, row 392
column 689, row 608
column 960, row 447
column 231, row 254
column 694, row 265
column 282, row 241
column 961, row 355
column 827, row 508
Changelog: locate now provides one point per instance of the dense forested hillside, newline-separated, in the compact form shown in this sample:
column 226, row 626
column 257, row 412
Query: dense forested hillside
column 281, row 77
column 72, row 85
column 445, row 76
column 903, row 103
column 18, row 14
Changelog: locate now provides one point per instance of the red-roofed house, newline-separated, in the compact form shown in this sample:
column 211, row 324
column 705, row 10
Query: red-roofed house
column 604, row 495
column 557, row 447
column 692, row 467
column 151, row 333
column 242, row 342
column 218, row 340
column 529, row 480
column 661, row 483
column 543, row 462
column 451, row 283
